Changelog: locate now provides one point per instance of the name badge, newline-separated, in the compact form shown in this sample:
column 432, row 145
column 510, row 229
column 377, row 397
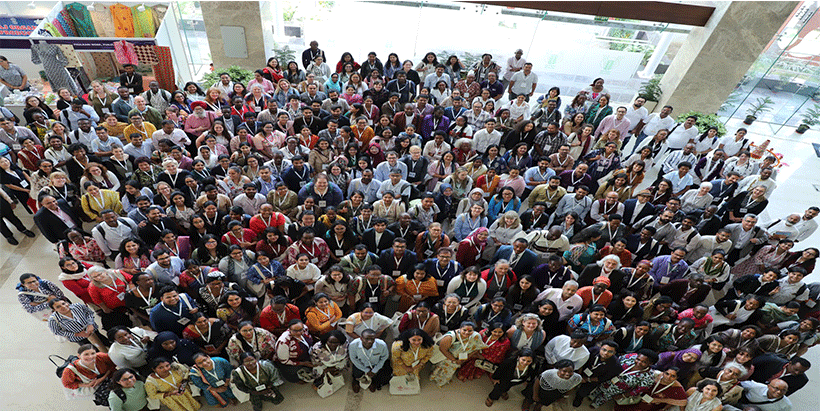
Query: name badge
column 647, row 398
column 314, row 260
column 811, row 303
column 219, row 383
column 498, row 294
column 257, row 109
column 428, row 253
column 415, row 363
column 440, row 283
column 339, row 253
column 615, row 380
column 210, row 347
column 105, row 110
column 302, row 183
column 260, row 387
column 517, row 307
column 665, row 280
column 417, row 296
column 465, row 300
column 744, row 210
column 373, row 299
column 121, row 296
column 600, row 169
column 24, row 184
column 570, row 189
column 588, row 372
column 131, row 90
column 322, row 203
column 462, row 356
column 411, row 174
column 396, row 273
column 183, row 321
column 16, row 146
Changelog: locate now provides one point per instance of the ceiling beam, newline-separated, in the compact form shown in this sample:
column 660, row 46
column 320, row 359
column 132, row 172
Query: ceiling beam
column 675, row 13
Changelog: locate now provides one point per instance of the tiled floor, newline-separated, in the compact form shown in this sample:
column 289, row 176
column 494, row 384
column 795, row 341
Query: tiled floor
column 29, row 382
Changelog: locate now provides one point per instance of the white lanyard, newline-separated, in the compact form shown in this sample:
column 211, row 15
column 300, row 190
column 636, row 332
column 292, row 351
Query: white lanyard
column 213, row 374
column 179, row 314
column 94, row 370
column 399, row 262
column 255, row 378
column 498, row 282
column 448, row 319
column 209, row 221
column 438, row 270
column 634, row 341
column 174, row 179
column 150, row 293
column 207, row 339
column 373, row 290
column 468, row 291
column 655, row 389
column 115, row 288
column 370, row 364
column 101, row 204
column 470, row 223
column 628, row 372
column 174, row 379
column 327, row 314
column 137, row 262
column 518, row 373
column 129, row 80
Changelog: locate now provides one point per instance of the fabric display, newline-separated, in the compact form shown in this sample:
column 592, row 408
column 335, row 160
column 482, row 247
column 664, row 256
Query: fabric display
column 164, row 70
column 159, row 14
column 143, row 21
column 104, row 64
column 87, row 62
column 123, row 20
column 79, row 75
column 70, row 55
column 59, row 27
column 54, row 63
column 83, row 24
column 48, row 30
column 146, row 54
column 124, row 51
column 103, row 21
column 68, row 25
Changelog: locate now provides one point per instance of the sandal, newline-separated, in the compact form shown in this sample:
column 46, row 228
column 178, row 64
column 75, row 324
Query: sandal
column 488, row 402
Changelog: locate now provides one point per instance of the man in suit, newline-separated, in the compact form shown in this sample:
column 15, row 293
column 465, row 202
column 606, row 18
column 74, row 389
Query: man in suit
column 378, row 238
column 522, row 260
column 745, row 235
column 397, row 261
column 771, row 366
column 637, row 208
column 55, row 217
column 155, row 224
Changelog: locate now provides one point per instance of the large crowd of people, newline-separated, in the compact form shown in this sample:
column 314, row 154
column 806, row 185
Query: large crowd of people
column 351, row 225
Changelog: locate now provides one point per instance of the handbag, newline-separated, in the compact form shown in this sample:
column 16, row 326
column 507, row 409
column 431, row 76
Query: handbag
column 330, row 384
column 486, row 366
column 66, row 362
column 405, row 385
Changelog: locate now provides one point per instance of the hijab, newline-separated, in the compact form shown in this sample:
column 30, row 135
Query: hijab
column 473, row 237
column 675, row 359
column 182, row 353
column 378, row 158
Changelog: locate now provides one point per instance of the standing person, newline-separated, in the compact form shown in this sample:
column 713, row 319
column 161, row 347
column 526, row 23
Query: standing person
column 7, row 206
column 310, row 54
column 523, row 82
column 12, row 76
column 88, row 374
column 259, row 379
column 513, row 371
column 635, row 380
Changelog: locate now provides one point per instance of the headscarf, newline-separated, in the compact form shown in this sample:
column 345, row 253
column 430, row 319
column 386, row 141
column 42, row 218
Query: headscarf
column 712, row 270
column 375, row 159
column 675, row 359
column 473, row 237
column 182, row 353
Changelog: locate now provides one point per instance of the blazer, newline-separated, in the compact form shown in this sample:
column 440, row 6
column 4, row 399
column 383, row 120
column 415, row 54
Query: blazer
column 593, row 271
column 369, row 240
column 524, row 265
column 629, row 209
column 757, row 232
column 52, row 226
column 388, row 263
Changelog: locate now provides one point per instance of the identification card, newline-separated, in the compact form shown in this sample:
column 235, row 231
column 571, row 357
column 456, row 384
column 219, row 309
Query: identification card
column 588, row 372
column 465, row 300
column 615, row 380
column 121, row 296
column 517, row 307
column 373, row 300
column 570, row 189
column 257, row 109
column 600, row 169
column 462, row 356
column 339, row 253
column 647, row 398
column 744, row 210
column 396, row 273
column 16, row 146
column 314, row 260
column 219, row 383
column 261, row 387
column 302, row 183
column 498, row 294
column 131, row 90
column 183, row 321
column 105, row 110
column 428, row 253
column 417, row 296
column 322, row 203
column 411, row 174
column 440, row 283
column 810, row 303
column 665, row 280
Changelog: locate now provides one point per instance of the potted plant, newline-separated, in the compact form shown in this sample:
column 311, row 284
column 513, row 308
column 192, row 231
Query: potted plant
column 651, row 92
column 810, row 118
column 761, row 105
column 704, row 121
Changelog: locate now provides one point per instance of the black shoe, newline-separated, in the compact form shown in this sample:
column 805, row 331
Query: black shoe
column 12, row 240
column 577, row 402
column 29, row 233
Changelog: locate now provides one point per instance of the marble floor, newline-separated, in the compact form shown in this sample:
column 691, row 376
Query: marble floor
column 29, row 382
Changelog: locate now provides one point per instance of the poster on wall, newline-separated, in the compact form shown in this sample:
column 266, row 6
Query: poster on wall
column 17, row 26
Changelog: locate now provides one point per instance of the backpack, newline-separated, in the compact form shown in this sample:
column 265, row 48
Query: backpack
column 66, row 362
column 102, row 231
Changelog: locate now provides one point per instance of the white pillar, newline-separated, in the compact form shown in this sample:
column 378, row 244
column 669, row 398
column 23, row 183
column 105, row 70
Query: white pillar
column 657, row 55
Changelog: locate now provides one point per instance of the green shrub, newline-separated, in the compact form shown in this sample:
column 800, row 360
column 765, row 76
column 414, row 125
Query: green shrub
column 237, row 74
column 704, row 121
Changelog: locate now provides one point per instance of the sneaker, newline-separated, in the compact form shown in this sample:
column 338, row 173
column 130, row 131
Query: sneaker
column 12, row 240
column 29, row 233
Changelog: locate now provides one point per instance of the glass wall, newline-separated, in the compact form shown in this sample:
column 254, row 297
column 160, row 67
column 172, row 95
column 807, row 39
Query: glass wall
column 567, row 50
column 787, row 73
column 194, row 39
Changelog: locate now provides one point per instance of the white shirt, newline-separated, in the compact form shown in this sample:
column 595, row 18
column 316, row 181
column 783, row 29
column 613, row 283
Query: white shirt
column 565, row 308
column 654, row 123
column 805, row 229
column 482, row 139
column 523, row 83
column 558, row 349
column 635, row 116
column 732, row 147
column 678, row 138
column 513, row 63
column 177, row 136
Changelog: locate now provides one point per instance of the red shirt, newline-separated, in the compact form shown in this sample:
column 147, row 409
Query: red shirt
column 258, row 225
column 108, row 295
column 269, row 320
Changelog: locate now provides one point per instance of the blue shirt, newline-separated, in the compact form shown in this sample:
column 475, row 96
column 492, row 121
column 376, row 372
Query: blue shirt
column 371, row 360
column 662, row 267
column 678, row 183
column 533, row 174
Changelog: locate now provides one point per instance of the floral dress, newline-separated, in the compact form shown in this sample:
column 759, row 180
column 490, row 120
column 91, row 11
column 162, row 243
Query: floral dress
column 177, row 382
column 495, row 353
column 579, row 256
column 261, row 345
column 629, row 383
column 767, row 256
column 445, row 369
column 88, row 251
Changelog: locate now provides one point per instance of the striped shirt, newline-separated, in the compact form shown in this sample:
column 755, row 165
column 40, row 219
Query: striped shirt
column 26, row 296
column 67, row 327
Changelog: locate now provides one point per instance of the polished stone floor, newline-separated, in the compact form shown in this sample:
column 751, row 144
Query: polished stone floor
column 29, row 382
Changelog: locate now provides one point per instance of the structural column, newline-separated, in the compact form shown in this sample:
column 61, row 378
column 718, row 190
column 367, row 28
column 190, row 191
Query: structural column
column 714, row 58
column 222, row 22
